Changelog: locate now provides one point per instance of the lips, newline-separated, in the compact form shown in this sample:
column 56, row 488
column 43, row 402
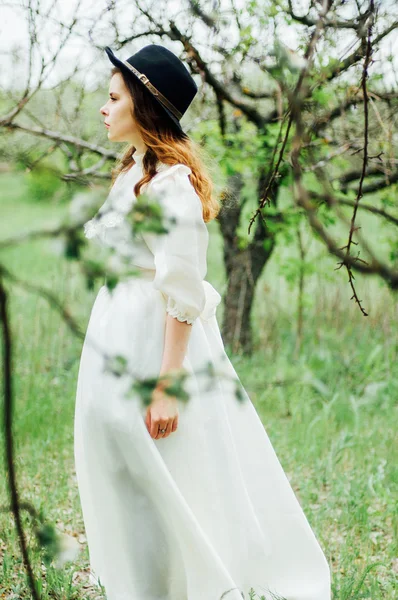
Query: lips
column 106, row 124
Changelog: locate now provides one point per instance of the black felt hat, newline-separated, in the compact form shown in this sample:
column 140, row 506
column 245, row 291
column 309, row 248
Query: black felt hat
column 164, row 76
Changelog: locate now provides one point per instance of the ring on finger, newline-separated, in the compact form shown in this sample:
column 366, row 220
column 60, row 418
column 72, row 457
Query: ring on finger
column 162, row 430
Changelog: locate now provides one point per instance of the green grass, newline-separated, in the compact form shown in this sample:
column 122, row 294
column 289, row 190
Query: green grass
column 330, row 409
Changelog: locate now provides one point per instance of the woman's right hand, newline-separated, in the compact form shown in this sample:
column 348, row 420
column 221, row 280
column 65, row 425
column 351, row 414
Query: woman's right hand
column 162, row 413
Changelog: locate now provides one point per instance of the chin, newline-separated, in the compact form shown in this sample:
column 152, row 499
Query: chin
column 113, row 137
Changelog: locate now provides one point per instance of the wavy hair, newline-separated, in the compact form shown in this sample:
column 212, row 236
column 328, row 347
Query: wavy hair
column 165, row 143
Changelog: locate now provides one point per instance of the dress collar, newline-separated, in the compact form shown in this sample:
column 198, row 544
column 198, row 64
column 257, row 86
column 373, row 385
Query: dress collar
column 138, row 156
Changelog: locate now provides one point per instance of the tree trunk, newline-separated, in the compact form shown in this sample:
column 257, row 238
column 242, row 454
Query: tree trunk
column 243, row 266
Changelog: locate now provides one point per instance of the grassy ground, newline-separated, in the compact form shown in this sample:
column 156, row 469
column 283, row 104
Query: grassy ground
column 330, row 410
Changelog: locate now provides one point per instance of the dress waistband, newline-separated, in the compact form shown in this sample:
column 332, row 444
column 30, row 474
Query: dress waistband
column 147, row 274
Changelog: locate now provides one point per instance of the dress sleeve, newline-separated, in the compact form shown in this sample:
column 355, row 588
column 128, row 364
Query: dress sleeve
column 180, row 254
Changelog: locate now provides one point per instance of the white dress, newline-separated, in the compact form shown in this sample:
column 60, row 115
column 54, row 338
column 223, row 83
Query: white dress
column 208, row 510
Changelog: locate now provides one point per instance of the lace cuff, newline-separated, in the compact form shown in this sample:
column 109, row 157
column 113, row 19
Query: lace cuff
column 176, row 310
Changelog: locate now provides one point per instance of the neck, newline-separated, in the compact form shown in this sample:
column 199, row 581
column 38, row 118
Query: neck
column 140, row 148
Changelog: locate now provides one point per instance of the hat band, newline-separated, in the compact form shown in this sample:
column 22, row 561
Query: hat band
column 153, row 90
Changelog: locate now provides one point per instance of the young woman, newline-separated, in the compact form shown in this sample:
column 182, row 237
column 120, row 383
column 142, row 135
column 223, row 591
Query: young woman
column 181, row 500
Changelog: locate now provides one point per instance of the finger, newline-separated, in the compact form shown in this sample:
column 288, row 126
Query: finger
column 154, row 428
column 162, row 425
column 168, row 429
column 148, row 420
column 175, row 425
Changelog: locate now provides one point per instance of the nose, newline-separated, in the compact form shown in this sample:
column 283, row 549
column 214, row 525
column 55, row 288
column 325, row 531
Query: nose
column 102, row 111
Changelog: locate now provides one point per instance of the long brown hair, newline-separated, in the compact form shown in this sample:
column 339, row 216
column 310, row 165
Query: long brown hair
column 167, row 144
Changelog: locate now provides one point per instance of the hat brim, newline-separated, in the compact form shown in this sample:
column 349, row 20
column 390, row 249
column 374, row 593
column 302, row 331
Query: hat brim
column 120, row 64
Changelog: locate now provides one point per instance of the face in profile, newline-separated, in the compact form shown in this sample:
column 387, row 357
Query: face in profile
column 117, row 112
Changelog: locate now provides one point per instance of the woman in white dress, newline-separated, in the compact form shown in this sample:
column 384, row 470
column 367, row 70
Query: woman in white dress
column 181, row 500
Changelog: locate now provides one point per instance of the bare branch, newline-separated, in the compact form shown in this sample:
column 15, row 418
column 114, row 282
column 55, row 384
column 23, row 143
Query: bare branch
column 343, row 201
column 358, row 54
column 198, row 12
column 68, row 139
column 331, row 21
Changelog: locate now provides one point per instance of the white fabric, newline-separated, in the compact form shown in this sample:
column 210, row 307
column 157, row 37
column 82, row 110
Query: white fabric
column 179, row 258
column 208, row 510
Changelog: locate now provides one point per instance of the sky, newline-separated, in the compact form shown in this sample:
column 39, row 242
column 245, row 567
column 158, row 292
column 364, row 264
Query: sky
column 81, row 50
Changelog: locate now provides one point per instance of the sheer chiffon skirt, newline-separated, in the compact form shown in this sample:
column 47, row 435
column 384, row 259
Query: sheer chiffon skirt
column 204, row 514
